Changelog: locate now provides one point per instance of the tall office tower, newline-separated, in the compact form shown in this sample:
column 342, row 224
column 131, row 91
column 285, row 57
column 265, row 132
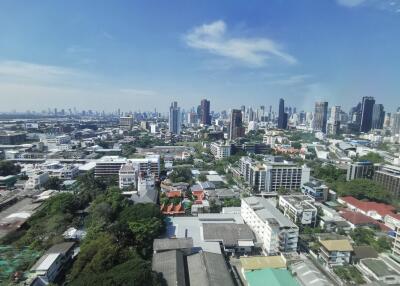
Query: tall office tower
column 355, row 114
column 282, row 116
column 366, row 113
column 378, row 116
column 395, row 123
column 205, row 112
column 335, row 114
column 236, row 128
column 386, row 122
column 334, row 120
column 320, row 116
column 174, row 118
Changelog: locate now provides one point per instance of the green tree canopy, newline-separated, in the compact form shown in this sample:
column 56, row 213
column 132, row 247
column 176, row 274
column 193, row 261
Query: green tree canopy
column 9, row 168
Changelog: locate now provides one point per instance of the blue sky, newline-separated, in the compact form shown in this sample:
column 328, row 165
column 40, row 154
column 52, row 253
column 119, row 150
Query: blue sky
column 140, row 55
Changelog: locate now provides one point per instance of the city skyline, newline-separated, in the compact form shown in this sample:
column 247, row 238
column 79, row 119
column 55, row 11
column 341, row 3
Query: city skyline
column 59, row 55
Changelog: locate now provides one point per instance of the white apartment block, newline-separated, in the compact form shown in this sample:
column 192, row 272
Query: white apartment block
column 110, row 165
column 270, row 176
column 396, row 242
column 299, row 208
column 277, row 233
column 220, row 150
column 36, row 180
column 127, row 176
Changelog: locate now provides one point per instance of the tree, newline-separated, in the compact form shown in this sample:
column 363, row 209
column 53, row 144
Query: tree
column 145, row 231
column 296, row 145
column 364, row 189
column 181, row 174
column 54, row 183
column 9, row 168
column 372, row 157
column 202, row 178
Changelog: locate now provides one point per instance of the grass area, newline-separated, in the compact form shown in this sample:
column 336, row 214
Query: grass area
column 349, row 274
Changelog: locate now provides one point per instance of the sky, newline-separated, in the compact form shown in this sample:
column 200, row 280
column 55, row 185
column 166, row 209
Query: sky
column 141, row 55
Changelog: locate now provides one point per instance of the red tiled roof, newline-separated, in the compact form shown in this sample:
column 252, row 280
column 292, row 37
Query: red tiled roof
column 199, row 195
column 174, row 194
column 359, row 219
column 356, row 218
column 381, row 209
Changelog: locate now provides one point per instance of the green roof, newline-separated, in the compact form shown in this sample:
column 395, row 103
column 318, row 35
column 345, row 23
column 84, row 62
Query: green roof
column 275, row 277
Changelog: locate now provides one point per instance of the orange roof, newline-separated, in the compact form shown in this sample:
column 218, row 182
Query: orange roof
column 174, row 194
column 380, row 208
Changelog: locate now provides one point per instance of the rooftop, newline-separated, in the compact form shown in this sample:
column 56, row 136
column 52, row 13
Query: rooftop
column 172, row 243
column 378, row 267
column 275, row 277
column 170, row 264
column 228, row 233
column 265, row 211
column 208, row 269
column 337, row 245
column 261, row 262
column 380, row 208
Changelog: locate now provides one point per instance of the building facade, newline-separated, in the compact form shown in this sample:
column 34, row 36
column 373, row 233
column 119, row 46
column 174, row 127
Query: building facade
column 277, row 233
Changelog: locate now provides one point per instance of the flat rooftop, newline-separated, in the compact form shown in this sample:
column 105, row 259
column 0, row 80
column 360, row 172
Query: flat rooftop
column 262, row 262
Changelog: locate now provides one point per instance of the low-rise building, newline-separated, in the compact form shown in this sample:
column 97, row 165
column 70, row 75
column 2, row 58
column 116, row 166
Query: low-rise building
column 316, row 189
column 220, row 150
column 51, row 263
column 276, row 231
column 380, row 271
column 299, row 208
column 335, row 252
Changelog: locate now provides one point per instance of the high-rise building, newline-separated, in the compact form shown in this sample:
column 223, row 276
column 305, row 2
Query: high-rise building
column 366, row 113
column 126, row 122
column 205, row 112
column 334, row 120
column 236, row 128
column 395, row 123
column 378, row 116
column 320, row 116
column 282, row 115
column 174, row 118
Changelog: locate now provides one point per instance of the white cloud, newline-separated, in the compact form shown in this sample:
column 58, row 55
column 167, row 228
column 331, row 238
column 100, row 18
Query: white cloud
column 23, row 71
column 289, row 80
column 251, row 51
column 384, row 5
column 350, row 3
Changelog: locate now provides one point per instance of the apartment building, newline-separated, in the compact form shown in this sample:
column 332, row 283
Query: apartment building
column 126, row 122
column 299, row 208
column 277, row 233
column 274, row 174
column 389, row 177
column 36, row 180
column 360, row 170
column 220, row 150
column 335, row 252
column 111, row 165
column 127, row 176
column 396, row 241
column 315, row 189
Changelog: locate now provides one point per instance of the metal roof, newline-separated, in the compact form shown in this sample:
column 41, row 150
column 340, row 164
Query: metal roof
column 228, row 233
column 172, row 243
column 208, row 269
column 171, row 265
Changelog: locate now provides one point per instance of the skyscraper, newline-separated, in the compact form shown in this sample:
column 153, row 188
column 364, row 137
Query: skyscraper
column 236, row 128
column 395, row 122
column 366, row 113
column 282, row 115
column 334, row 121
column 320, row 116
column 378, row 116
column 174, row 118
column 205, row 112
